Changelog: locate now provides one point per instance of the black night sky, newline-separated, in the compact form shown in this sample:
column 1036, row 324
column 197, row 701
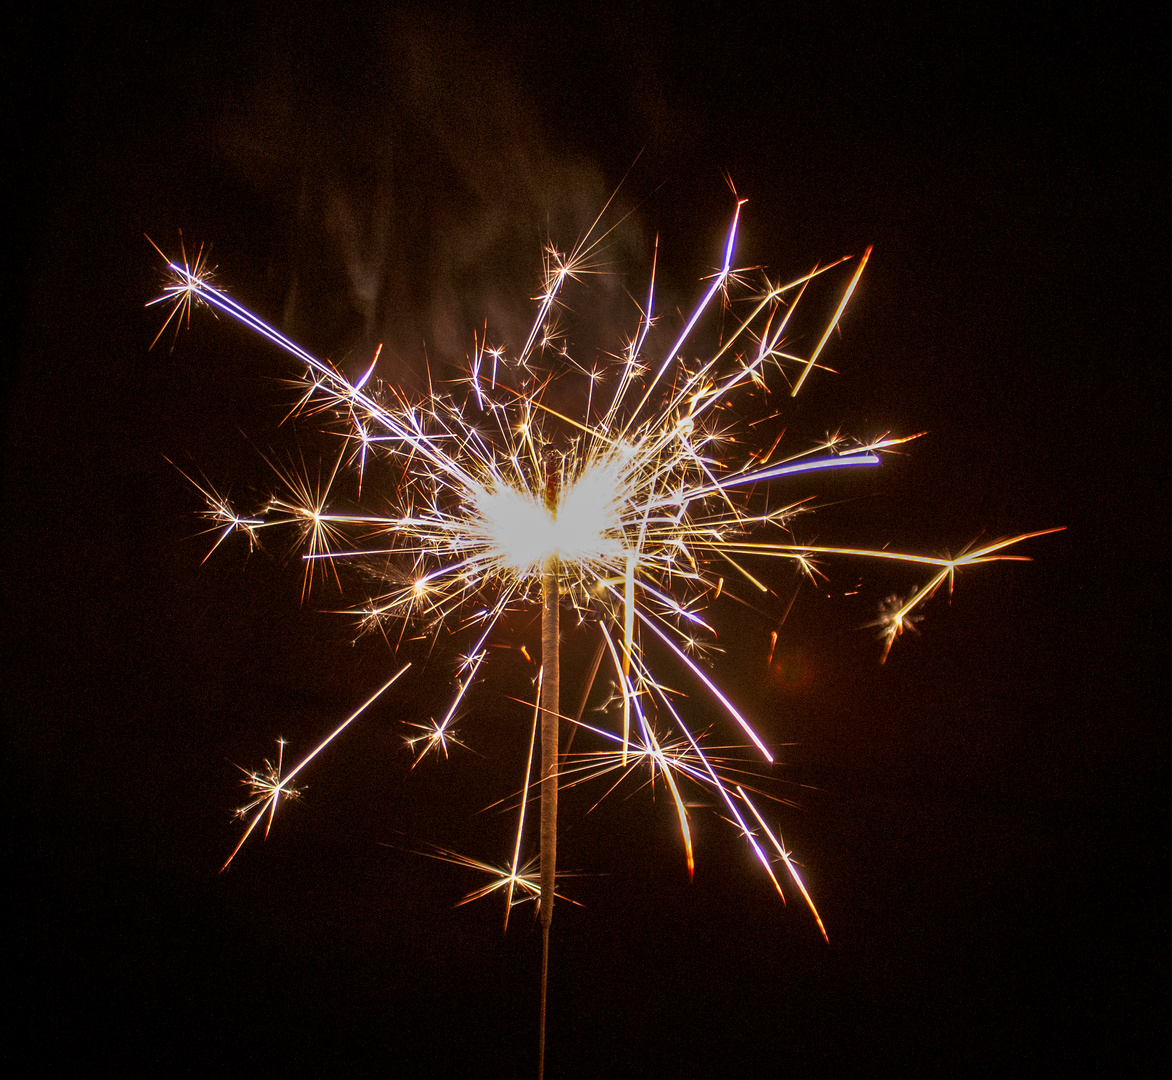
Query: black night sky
column 978, row 818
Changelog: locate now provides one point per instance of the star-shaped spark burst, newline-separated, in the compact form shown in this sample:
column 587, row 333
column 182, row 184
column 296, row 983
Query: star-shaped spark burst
column 639, row 511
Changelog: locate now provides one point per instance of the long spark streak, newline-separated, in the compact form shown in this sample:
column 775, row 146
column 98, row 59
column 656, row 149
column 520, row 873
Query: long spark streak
column 284, row 785
column 652, row 497
column 524, row 802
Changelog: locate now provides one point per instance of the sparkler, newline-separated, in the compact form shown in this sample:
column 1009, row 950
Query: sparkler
column 630, row 514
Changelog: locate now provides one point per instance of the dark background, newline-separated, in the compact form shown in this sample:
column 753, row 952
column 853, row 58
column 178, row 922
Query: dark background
column 978, row 818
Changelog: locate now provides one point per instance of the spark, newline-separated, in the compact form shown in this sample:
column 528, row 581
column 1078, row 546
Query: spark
column 646, row 501
column 268, row 785
column 510, row 880
column 183, row 288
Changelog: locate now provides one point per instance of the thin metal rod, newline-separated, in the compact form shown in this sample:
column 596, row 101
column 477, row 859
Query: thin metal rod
column 550, row 708
column 544, row 982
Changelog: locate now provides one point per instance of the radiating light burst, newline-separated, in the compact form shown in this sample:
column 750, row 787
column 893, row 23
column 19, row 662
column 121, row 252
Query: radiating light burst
column 266, row 786
column 652, row 497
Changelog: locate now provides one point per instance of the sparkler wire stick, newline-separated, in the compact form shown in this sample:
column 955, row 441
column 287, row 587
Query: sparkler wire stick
column 550, row 717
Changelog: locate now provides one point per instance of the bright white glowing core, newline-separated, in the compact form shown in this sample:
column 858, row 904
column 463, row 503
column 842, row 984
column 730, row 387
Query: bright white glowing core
column 586, row 527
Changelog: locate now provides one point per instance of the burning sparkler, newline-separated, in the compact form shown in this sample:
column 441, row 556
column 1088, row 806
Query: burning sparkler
column 630, row 514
